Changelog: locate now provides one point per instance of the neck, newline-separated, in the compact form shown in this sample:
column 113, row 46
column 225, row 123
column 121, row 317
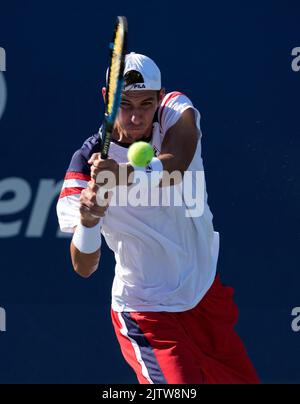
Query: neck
column 123, row 137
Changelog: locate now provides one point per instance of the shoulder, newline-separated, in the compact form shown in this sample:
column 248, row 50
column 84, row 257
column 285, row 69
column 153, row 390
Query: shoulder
column 81, row 156
column 171, row 109
column 91, row 145
column 174, row 96
column 173, row 102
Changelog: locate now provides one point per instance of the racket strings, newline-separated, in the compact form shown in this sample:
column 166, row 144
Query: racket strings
column 115, row 66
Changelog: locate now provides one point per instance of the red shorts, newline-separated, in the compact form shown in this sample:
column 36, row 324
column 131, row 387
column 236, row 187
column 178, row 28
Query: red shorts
column 191, row 347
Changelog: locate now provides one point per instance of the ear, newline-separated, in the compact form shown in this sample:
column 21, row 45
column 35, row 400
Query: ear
column 104, row 93
column 162, row 93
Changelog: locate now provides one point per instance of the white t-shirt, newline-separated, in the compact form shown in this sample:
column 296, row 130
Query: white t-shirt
column 166, row 256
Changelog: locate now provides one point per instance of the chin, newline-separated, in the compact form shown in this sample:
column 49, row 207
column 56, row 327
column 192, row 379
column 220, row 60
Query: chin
column 135, row 135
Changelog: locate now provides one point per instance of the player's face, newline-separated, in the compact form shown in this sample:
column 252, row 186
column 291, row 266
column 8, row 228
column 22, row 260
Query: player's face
column 136, row 113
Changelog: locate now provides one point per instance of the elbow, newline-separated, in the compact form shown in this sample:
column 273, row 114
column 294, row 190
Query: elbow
column 82, row 271
column 83, row 274
column 83, row 267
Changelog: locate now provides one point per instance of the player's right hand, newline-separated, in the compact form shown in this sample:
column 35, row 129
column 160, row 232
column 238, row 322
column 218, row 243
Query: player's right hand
column 90, row 210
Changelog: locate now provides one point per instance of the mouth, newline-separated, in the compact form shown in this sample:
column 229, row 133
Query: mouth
column 135, row 129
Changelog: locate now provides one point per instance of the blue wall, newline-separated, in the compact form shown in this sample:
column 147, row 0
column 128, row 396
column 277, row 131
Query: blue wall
column 234, row 61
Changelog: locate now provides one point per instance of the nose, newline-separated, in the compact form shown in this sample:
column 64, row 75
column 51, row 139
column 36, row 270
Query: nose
column 136, row 117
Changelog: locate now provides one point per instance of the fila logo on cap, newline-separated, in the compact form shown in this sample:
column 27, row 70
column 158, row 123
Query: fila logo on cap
column 139, row 86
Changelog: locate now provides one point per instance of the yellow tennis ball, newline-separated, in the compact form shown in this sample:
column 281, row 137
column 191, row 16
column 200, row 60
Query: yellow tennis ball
column 140, row 154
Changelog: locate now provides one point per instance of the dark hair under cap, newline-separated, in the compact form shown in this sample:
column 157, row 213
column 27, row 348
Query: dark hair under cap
column 133, row 77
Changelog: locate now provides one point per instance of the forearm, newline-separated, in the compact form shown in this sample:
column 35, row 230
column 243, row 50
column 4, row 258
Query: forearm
column 84, row 264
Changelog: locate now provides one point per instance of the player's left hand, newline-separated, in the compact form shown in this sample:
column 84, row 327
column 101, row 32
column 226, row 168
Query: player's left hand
column 101, row 170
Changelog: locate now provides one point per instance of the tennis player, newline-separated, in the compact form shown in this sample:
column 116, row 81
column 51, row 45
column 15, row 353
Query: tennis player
column 172, row 316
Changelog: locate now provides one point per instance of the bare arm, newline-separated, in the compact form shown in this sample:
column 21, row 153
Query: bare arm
column 91, row 212
column 180, row 143
column 84, row 264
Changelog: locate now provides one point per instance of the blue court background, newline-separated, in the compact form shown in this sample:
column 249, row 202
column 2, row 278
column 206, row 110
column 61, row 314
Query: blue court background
column 234, row 61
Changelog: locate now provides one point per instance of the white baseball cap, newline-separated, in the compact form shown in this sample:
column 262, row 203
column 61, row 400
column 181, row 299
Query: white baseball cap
column 148, row 70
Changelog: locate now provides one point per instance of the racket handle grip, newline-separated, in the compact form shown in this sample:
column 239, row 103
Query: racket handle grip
column 104, row 156
column 107, row 131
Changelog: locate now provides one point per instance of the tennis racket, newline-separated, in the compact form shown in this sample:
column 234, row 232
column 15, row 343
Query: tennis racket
column 118, row 48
